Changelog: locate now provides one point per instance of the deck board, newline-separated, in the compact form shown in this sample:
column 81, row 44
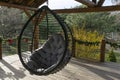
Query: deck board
column 12, row 69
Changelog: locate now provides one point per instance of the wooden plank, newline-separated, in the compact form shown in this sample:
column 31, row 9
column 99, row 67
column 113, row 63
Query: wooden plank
column 19, row 1
column 17, row 6
column 30, row 2
column 24, row 3
column 87, row 2
column 78, row 10
column 40, row 2
column 100, row 3
column 93, row 9
column 77, row 69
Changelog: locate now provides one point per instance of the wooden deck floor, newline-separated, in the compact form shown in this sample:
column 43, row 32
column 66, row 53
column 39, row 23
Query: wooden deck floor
column 11, row 69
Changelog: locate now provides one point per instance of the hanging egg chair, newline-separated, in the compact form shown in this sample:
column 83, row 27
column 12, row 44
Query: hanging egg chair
column 49, row 43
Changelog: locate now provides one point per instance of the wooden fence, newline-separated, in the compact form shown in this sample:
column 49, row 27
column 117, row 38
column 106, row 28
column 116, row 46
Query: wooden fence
column 102, row 49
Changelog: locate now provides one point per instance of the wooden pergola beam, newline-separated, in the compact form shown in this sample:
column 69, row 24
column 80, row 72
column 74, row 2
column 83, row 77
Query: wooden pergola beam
column 27, row 13
column 92, row 9
column 17, row 6
column 78, row 10
column 87, row 2
column 100, row 3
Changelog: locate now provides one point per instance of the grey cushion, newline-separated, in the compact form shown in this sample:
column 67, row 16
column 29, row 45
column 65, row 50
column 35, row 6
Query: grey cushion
column 49, row 54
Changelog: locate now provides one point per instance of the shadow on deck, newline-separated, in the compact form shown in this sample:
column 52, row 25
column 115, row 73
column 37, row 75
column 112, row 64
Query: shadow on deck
column 11, row 69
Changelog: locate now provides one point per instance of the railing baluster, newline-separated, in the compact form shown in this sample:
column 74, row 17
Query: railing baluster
column 102, row 51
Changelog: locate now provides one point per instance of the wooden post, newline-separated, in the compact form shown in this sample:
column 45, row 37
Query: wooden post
column 74, row 47
column 102, row 51
column 17, row 37
column 36, row 37
column 0, row 48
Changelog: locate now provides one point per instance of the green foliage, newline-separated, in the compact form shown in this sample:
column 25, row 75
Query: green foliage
column 112, row 56
column 117, row 54
column 103, row 22
column 74, row 19
column 13, row 50
column 10, row 49
column 92, row 39
column 90, row 36
column 115, row 44
column 10, row 22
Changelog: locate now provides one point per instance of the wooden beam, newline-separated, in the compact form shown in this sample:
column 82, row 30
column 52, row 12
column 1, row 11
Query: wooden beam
column 78, row 10
column 100, row 3
column 87, row 2
column 17, row 6
column 92, row 9
column 34, row 19
column 27, row 13
column 39, row 2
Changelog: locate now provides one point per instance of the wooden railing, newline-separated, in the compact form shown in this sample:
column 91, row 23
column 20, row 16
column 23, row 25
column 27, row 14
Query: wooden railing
column 101, row 50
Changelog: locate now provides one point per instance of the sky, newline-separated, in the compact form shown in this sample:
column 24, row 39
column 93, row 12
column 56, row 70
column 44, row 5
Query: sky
column 62, row 4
